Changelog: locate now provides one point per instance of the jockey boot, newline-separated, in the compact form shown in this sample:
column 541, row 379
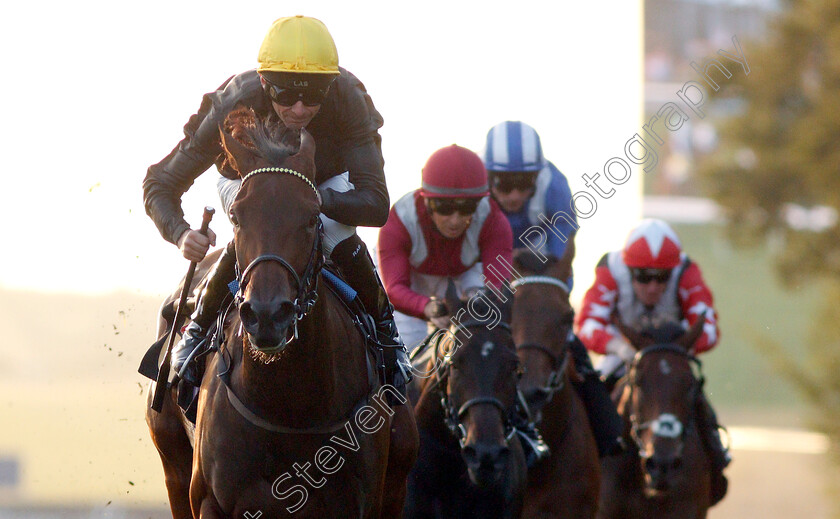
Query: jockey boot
column 612, row 368
column 607, row 426
column 206, row 308
column 351, row 256
column 718, row 453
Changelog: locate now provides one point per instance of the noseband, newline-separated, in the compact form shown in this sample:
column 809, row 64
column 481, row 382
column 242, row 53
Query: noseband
column 307, row 284
column 555, row 381
column 453, row 416
column 665, row 425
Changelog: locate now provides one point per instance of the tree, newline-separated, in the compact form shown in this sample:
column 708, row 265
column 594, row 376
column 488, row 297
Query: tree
column 777, row 173
column 778, row 168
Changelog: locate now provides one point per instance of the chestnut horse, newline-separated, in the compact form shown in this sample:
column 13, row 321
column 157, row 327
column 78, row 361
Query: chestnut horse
column 566, row 484
column 291, row 419
column 665, row 474
column 471, row 463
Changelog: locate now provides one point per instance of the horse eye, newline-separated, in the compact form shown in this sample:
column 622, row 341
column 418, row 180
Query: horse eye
column 234, row 220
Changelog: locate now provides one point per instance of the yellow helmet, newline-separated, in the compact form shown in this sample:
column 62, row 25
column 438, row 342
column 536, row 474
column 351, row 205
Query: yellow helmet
column 298, row 44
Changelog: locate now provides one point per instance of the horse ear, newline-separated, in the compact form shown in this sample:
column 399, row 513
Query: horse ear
column 239, row 156
column 505, row 305
column 687, row 341
column 530, row 263
column 562, row 270
column 453, row 302
column 565, row 264
column 304, row 160
column 517, row 258
column 307, row 144
column 637, row 339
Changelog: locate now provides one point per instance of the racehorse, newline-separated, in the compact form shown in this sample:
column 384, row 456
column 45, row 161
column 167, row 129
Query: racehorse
column 292, row 418
column 566, row 484
column 665, row 473
column 471, row 463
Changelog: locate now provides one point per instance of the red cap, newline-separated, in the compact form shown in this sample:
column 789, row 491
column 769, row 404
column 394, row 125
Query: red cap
column 653, row 244
column 454, row 172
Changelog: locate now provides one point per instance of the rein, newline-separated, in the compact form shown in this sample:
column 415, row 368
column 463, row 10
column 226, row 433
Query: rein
column 307, row 284
column 453, row 416
column 224, row 373
column 666, row 425
column 556, row 381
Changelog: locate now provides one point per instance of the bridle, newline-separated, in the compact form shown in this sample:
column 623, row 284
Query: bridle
column 452, row 414
column 307, row 284
column 666, row 425
column 559, row 362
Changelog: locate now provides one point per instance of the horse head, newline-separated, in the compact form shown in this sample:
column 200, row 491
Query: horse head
column 542, row 323
column 478, row 385
column 664, row 384
column 276, row 227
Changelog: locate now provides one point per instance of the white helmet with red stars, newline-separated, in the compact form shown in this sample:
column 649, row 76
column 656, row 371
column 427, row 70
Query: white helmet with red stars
column 652, row 244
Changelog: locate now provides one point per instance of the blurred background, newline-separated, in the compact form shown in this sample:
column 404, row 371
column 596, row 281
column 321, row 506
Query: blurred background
column 747, row 174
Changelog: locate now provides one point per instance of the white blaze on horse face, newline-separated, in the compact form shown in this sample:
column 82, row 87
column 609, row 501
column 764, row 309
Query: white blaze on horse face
column 664, row 367
column 487, row 348
column 667, row 426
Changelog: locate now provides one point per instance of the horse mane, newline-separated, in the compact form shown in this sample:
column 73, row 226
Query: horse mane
column 666, row 332
column 267, row 137
column 530, row 262
column 526, row 260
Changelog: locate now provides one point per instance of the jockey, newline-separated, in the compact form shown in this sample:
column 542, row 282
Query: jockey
column 298, row 84
column 649, row 282
column 535, row 197
column 447, row 229
column 533, row 194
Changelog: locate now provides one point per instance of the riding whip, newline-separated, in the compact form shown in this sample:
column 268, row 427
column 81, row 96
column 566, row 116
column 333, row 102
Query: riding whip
column 163, row 374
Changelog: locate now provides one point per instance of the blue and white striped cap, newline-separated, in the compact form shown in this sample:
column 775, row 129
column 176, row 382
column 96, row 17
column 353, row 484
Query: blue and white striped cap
column 513, row 146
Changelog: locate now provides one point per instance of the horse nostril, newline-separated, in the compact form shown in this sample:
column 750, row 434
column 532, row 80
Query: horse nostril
column 470, row 455
column 663, row 465
column 248, row 316
column 284, row 314
column 486, row 457
column 502, row 458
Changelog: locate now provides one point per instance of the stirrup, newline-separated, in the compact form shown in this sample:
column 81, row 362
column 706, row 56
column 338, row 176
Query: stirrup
column 724, row 454
column 404, row 364
column 193, row 341
column 188, row 371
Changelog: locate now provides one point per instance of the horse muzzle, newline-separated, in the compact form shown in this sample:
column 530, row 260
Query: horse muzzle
column 267, row 324
column 485, row 462
column 659, row 470
column 537, row 398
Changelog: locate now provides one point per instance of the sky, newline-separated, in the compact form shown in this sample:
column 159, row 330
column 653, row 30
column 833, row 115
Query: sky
column 97, row 91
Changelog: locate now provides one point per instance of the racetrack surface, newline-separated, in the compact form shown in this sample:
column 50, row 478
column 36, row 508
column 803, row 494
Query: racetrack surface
column 778, row 474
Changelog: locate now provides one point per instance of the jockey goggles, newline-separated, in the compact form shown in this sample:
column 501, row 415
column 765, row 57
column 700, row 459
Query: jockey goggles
column 311, row 95
column 645, row 276
column 448, row 206
column 507, row 181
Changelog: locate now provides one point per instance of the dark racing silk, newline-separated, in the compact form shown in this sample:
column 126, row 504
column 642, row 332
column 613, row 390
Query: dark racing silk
column 346, row 132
